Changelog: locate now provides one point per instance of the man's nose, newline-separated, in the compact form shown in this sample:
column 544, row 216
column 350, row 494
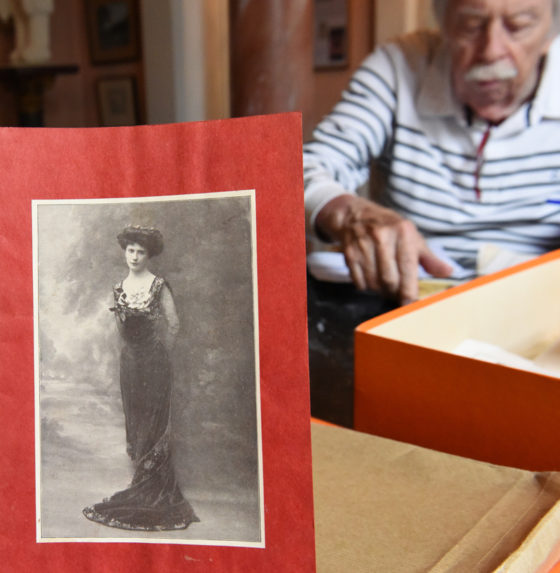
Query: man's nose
column 494, row 42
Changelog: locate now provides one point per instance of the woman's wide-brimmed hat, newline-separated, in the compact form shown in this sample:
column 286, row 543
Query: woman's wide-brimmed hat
column 149, row 237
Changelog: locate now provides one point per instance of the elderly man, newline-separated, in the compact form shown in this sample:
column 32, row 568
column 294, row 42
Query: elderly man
column 464, row 127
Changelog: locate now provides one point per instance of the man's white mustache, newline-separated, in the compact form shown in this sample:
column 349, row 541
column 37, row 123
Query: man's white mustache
column 500, row 70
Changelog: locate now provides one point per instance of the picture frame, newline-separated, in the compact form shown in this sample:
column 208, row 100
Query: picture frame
column 235, row 408
column 117, row 101
column 331, row 37
column 113, row 30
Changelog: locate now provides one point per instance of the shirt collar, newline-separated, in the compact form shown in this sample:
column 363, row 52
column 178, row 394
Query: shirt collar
column 546, row 103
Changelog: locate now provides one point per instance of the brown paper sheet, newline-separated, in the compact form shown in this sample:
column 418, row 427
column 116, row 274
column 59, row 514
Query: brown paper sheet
column 385, row 506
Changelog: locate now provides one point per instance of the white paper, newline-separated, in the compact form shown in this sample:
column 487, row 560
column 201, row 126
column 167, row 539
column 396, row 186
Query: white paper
column 487, row 352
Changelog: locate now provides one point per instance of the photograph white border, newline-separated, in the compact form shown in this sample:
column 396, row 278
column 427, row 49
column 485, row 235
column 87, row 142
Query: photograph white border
column 193, row 197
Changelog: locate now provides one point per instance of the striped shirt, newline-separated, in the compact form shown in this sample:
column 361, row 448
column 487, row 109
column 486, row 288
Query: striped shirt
column 399, row 112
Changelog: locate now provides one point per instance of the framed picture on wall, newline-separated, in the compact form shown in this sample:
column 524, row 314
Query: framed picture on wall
column 113, row 30
column 117, row 100
column 331, row 34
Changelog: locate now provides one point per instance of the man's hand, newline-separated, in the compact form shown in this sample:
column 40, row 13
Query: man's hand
column 382, row 249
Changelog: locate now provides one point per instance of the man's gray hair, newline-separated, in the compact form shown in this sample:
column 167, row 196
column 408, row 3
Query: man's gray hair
column 440, row 6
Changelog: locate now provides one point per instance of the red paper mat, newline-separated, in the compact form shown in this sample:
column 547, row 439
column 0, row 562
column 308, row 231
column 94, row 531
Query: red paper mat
column 227, row 196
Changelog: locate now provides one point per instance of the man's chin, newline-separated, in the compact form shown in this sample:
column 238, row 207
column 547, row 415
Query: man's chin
column 494, row 112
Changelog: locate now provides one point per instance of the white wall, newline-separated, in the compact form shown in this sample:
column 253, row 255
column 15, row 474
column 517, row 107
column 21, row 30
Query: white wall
column 396, row 17
column 177, row 79
column 174, row 60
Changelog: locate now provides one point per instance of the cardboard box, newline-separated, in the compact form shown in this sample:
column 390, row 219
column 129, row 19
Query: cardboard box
column 409, row 386
column 382, row 505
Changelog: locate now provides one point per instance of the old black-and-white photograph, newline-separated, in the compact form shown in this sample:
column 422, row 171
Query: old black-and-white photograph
column 146, row 366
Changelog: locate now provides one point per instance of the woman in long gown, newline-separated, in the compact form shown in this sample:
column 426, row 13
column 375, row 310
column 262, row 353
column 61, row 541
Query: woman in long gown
column 147, row 322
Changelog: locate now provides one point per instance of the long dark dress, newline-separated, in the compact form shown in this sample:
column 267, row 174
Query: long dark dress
column 153, row 501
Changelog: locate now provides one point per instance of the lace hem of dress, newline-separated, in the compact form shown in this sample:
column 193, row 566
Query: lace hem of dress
column 152, row 502
column 93, row 515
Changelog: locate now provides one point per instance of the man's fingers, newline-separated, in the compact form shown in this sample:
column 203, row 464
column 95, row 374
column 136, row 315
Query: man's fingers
column 433, row 265
column 407, row 261
column 381, row 248
column 385, row 242
column 360, row 256
column 356, row 272
column 360, row 259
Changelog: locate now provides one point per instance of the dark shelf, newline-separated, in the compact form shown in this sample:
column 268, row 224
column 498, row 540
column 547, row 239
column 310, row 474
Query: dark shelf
column 28, row 82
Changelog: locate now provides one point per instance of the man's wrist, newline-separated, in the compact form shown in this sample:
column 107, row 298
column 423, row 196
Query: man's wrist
column 330, row 219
